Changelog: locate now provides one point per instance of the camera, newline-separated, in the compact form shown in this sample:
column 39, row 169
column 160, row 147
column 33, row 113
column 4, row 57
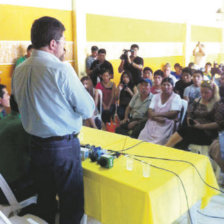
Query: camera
column 125, row 86
column 124, row 55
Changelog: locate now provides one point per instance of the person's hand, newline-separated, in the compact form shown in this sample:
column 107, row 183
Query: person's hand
column 160, row 120
column 128, row 90
column 124, row 121
column 120, row 86
column 198, row 125
column 132, row 124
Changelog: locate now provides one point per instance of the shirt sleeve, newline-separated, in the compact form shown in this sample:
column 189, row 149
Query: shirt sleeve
column 176, row 103
column 153, row 102
column 186, row 91
column 132, row 102
column 79, row 99
column 139, row 61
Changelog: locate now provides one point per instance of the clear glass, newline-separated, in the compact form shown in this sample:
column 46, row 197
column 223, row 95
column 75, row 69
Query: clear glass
column 145, row 170
column 129, row 163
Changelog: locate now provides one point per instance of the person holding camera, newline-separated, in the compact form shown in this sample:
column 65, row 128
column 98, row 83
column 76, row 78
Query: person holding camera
column 125, row 91
column 204, row 119
column 132, row 63
column 98, row 65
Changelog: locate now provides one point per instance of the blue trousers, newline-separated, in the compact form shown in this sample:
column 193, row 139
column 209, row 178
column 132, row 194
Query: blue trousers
column 56, row 166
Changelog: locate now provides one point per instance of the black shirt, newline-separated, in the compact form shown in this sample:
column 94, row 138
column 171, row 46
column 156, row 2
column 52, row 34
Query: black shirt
column 180, row 87
column 136, row 73
column 97, row 67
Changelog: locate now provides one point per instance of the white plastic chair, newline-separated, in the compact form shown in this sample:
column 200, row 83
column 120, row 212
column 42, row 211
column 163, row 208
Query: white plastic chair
column 9, row 212
column 101, row 101
column 183, row 110
column 27, row 219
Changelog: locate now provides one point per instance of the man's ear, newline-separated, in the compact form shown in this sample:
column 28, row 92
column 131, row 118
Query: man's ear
column 52, row 44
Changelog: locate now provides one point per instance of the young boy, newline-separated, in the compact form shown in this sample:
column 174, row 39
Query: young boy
column 158, row 77
column 4, row 100
column 147, row 75
column 193, row 91
column 207, row 72
column 178, row 71
column 184, row 82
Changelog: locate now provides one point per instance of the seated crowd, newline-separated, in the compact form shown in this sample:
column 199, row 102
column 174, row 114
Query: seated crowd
column 148, row 105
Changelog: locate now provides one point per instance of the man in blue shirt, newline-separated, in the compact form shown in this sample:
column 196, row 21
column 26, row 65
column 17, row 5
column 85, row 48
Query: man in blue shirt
column 52, row 103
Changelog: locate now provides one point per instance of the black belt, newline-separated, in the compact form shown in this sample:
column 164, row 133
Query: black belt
column 56, row 138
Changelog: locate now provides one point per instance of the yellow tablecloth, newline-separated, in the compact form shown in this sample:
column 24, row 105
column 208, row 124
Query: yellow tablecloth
column 119, row 196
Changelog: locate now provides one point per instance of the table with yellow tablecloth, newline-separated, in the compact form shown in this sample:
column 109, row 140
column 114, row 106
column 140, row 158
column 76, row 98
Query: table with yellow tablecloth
column 119, row 196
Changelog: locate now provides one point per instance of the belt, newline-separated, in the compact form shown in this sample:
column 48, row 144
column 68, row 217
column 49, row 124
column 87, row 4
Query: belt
column 56, row 138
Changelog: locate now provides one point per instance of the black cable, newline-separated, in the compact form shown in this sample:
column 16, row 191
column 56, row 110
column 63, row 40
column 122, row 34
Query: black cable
column 183, row 161
column 210, row 216
column 170, row 171
column 131, row 146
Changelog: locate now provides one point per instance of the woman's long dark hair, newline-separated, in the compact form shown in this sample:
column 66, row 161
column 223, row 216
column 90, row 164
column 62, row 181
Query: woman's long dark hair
column 130, row 84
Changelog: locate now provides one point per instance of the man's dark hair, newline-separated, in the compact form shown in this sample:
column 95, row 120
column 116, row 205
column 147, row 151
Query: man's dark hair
column 198, row 71
column 44, row 30
column 1, row 90
column 102, row 51
column 209, row 63
column 134, row 46
column 168, row 80
column 159, row 72
column 29, row 47
column 187, row 70
column 177, row 65
column 147, row 69
column 94, row 48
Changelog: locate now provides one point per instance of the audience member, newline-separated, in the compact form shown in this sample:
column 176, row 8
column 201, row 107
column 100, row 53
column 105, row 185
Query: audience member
column 193, row 91
column 184, row 82
column 162, row 113
column 220, row 81
column 203, row 119
column 15, row 158
column 199, row 56
column 207, row 73
column 132, row 63
column 91, row 58
column 124, row 93
column 191, row 65
column 158, row 78
column 95, row 121
column 98, row 65
column 148, row 74
column 4, row 101
column 28, row 54
column 167, row 73
column 108, row 89
column 215, row 151
column 178, row 71
column 136, row 112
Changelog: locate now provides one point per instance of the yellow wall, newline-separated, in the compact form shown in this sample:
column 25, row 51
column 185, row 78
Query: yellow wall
column 108, row 28
column 16, row 22
column 103, row 31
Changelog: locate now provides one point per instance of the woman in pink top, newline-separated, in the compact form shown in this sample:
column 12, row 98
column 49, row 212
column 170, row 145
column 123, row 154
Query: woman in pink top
column 108, row 88
column 163, row 110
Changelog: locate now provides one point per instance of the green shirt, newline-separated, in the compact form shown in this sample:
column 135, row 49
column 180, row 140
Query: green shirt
column 14, row 144
column 20, row 60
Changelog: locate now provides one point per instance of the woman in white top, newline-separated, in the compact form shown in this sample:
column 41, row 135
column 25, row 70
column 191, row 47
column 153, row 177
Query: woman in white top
column 163, row 110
